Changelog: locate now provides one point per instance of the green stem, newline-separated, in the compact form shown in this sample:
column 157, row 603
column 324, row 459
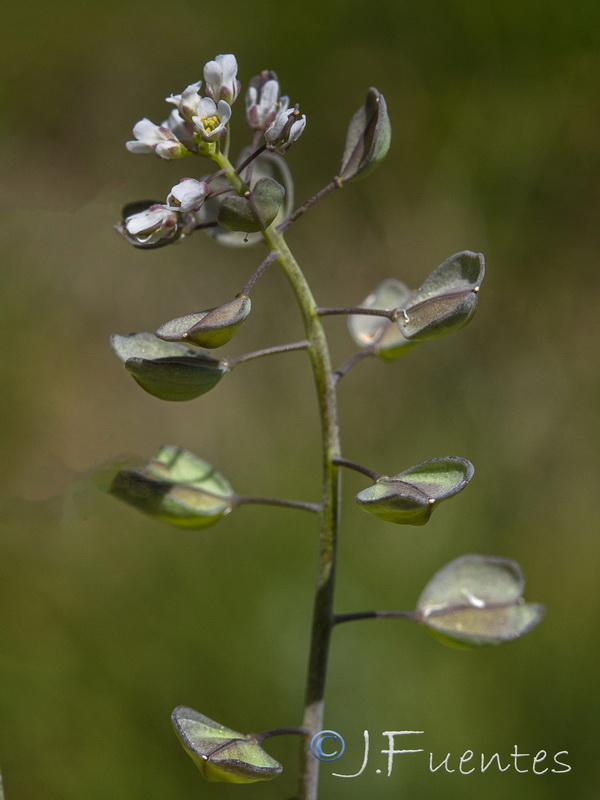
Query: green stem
column 323, row 617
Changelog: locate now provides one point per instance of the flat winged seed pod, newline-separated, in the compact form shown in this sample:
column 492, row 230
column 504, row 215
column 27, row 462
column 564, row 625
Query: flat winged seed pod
column 380, row 334
column 256, row 211
column 410, row 497
column 267, row 165
column 176, row 487
column 367, row 139
column 477, row 600
column 167, row 370
column 222, row 754
column 446, row 301
column 211, row 328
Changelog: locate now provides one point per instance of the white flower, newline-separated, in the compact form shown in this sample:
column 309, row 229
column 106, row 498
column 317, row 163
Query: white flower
column 188, row 195
column 221, row 78
column 150, row 226
column 212, row 119
column 187, row 101
column 262, row 101
column 158, row 139
column 285, row 130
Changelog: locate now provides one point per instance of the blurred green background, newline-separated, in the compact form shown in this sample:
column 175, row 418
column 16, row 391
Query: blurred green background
column 109, row 620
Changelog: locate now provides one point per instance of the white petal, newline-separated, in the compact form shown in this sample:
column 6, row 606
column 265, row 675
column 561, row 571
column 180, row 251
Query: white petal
column 146, row 131
column 228, row 66
column 206, row 108
column 138, row 147
column 224, row 111
column 147, row 221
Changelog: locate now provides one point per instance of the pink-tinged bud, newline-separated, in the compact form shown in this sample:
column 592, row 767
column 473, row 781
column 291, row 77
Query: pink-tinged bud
column 285, row 130
column 157, row 139
column 187, row 102
column 220, row 76
column 188, row 195
column 149, row 227
column 262, row 101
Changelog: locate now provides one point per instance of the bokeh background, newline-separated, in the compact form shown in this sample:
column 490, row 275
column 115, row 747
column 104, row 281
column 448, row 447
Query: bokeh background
column 109, row 620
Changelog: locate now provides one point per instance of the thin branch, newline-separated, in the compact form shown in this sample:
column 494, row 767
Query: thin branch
column 294, row 731
column 273, row 256
column 202, row 225
column 250, row 159
column 314, row 508
column 392, row 314
column 352, row 362
column 268, row 351
column 344, row 462
column 335, row 184
column 339, row 618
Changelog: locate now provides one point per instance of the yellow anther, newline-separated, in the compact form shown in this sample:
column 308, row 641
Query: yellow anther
column 210, row 123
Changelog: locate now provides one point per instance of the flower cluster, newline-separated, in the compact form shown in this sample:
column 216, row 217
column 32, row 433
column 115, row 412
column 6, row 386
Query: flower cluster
column 199, row 122
column 199, row 125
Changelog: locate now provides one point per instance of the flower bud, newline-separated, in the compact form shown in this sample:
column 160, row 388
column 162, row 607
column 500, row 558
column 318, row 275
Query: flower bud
column 220, row 76
column 157, row 139
column 187, row 102
column 188, row 195
column 149, row 227
column 262, row 101
column 285, row 130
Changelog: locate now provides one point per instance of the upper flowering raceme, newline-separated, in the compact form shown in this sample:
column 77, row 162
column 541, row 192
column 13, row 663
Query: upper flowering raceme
column 158, row 139
column 262, row 101
column 211, row 119
column 285, row 130
column 221, row 80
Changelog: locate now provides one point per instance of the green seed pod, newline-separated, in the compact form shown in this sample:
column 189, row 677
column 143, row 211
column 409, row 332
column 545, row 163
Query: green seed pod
column 446, row 301
column 379, row 333
column 477, row 600
column 410, row 497
column 220, row 753
column 167, row 370
column 256, row 211
column 211, row 328
column 266, row 165
column 176, row 487
column 367, row 139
